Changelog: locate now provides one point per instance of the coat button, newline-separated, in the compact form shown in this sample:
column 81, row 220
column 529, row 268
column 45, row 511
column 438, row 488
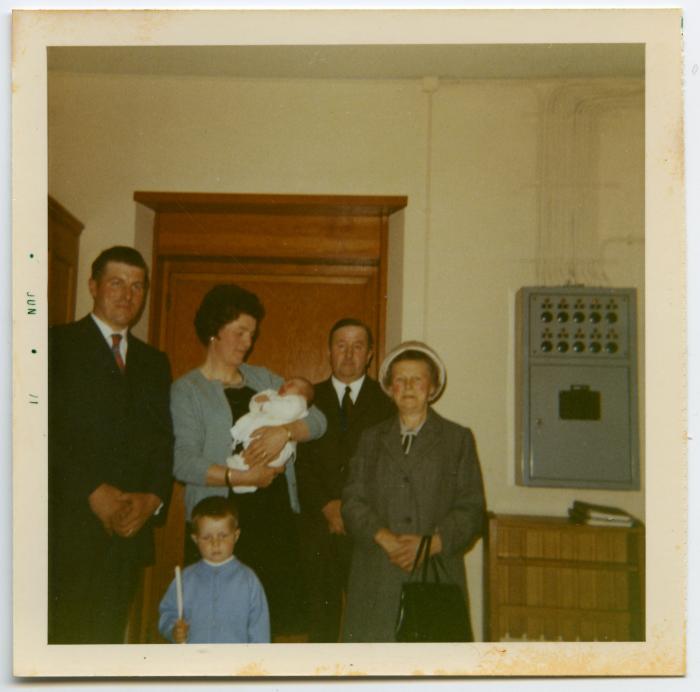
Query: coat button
column 407, row 520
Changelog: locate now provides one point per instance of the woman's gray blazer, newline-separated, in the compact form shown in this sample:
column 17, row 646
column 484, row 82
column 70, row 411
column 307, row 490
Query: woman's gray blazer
column 436, row 487
column 202, row 423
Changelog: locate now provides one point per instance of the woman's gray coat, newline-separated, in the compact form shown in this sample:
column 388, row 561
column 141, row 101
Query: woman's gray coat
column 436, row 487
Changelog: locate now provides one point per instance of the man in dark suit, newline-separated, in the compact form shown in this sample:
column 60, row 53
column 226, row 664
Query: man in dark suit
column 110, row 455
column 351, row 402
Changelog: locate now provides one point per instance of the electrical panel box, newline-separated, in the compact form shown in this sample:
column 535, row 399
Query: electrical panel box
column 577, row 409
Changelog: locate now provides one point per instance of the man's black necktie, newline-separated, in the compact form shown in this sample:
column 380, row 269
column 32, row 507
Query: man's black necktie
column 346, row 407
column 407, row 439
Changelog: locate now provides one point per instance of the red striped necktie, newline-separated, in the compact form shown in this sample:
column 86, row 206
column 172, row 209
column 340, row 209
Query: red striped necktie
column 116, row 340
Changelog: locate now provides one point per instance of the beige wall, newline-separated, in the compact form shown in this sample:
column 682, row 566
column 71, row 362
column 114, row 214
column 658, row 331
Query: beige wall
column 510, row 183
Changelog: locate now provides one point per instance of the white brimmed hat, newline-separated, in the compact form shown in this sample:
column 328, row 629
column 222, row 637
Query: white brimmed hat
column 413, row 346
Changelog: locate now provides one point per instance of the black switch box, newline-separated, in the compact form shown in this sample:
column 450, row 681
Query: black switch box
column 579, row 403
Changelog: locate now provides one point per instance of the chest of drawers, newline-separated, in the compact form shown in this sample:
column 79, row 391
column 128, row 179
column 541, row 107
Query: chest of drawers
column 550, row 579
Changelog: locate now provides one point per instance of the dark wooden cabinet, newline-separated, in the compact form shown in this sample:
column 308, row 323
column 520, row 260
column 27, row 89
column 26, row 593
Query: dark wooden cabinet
column 63, row 243
column 549, row 579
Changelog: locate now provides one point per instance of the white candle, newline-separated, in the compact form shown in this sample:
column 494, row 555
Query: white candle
column 178, row 587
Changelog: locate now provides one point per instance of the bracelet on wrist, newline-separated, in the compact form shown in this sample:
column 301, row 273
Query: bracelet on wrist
column 228, row 477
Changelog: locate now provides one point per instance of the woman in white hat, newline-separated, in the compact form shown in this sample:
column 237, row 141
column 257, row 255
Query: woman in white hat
column 414, row 474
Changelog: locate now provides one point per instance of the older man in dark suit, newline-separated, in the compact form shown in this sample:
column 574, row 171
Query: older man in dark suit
column 110, row 455
column 351, row 402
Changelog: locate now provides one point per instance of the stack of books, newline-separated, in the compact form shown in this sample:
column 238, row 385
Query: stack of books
column 599, row 515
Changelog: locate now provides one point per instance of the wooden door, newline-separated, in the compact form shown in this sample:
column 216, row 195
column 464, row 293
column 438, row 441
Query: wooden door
column 302, row 301
column 63, row 243
column 311, row 261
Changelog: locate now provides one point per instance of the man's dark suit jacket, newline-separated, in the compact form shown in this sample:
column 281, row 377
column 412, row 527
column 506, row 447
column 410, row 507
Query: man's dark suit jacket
column 323, row 464
column 105, row 426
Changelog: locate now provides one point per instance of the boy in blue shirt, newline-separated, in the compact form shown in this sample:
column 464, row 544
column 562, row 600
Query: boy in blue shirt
column 223, row 600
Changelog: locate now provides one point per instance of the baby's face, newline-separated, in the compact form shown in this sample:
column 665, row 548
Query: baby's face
column 294, row 387
column 290, row 387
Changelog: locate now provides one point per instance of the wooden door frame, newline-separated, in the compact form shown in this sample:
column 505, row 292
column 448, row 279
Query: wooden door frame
column 319, row 229
column 63, row 240
column 349, row 243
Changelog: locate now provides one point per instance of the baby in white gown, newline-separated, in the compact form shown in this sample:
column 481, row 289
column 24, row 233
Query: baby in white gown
column 269, row 408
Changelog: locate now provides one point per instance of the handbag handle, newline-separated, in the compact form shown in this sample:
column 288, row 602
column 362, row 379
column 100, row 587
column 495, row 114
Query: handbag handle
column 424, row 552
column 419, row 553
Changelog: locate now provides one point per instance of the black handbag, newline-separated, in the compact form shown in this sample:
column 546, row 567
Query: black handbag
column 432, row 611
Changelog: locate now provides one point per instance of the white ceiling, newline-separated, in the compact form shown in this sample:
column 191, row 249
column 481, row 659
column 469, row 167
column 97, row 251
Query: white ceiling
column 471, row 61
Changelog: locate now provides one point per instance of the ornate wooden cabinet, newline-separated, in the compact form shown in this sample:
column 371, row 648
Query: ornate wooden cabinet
column 547, row 578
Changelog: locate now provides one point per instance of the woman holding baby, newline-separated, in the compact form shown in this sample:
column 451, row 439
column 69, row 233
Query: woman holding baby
column 205, row 403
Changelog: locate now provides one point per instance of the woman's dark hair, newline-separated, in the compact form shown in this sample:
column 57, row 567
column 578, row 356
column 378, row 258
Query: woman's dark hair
column 412, row 354
column 223, row 304
column 118, row 253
